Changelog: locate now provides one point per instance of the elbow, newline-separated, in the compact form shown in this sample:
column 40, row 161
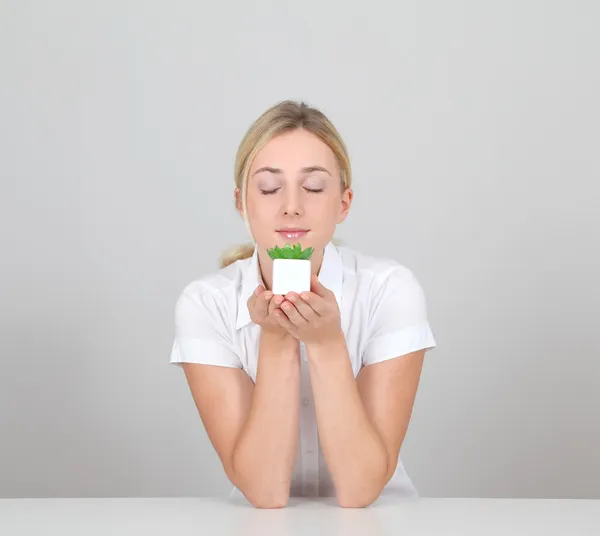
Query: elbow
column 269, row 500
column 354, row 495
column 264, row 498
column 263, row 495
column 356, row 501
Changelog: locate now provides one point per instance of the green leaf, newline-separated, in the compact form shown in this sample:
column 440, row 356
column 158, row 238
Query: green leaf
column 305, row 255
column 290, row 252
column 275, row 252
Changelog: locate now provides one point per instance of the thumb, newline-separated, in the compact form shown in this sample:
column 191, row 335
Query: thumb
column 316, row 286
column 254, row 296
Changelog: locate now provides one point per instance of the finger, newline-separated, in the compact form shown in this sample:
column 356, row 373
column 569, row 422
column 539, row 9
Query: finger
column 304, row 308
column 317, row 287
column 252, row 299
column 318, row 304
column 293, row 314
column 274, row 303
column 264, row 300
column 284, row 321
column 256, row 302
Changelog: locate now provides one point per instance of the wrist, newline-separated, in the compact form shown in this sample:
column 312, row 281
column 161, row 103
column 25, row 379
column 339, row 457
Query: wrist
column 330, row 344
column 278, row 338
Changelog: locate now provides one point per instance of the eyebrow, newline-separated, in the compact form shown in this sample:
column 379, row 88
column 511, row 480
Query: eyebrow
column 307, row 169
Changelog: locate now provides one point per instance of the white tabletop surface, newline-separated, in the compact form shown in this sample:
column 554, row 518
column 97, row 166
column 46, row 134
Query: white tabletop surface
column 212, row 516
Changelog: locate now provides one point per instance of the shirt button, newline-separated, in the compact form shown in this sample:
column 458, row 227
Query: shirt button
column 305, row 401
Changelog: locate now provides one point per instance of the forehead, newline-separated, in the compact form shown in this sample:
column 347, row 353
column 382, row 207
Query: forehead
column 295, row 149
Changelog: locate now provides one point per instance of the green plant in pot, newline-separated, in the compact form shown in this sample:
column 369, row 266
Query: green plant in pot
column 291, row 268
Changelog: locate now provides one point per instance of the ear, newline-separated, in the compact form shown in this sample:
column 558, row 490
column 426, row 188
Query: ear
column 347, row 196
column 237, row 193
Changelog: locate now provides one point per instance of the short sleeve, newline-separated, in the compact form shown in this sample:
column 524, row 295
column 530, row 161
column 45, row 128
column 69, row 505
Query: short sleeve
column 201, row 331
column 398, row 322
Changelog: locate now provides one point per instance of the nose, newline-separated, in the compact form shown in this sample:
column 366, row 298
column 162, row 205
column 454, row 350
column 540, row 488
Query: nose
column 292, row 202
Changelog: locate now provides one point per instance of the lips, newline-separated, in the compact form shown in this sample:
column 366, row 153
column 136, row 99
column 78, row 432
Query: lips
column 292, row 234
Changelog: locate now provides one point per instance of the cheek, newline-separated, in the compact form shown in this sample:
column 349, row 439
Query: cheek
column 324, row 206
column 262, row 211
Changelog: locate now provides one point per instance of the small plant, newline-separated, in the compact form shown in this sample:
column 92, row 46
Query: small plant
column 290, row 252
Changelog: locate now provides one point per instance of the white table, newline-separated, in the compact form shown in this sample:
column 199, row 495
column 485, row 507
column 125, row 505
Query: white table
column 199, row 516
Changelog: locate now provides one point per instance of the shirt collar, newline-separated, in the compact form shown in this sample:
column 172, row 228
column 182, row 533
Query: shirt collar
column 330, row 276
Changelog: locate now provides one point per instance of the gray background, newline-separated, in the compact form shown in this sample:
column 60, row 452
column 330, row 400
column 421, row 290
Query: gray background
column 473, row 132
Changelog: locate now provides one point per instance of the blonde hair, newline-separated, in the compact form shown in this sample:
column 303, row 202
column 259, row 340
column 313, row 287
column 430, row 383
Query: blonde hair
column 284, row 116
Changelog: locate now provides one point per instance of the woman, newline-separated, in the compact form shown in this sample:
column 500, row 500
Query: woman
column 311, row 394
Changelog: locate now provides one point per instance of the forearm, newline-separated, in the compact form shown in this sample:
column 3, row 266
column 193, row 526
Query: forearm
column 264, row 455
column 355, row 453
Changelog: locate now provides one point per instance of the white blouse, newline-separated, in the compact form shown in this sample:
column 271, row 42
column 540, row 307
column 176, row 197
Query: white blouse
column 383, row 313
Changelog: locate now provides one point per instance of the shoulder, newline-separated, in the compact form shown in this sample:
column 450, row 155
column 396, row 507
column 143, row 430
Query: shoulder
column 391, row 304
column 212, row 294
column 204, row 320
column 377, row 274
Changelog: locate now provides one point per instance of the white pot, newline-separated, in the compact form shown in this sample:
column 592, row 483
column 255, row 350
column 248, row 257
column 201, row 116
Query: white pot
column 291, row 275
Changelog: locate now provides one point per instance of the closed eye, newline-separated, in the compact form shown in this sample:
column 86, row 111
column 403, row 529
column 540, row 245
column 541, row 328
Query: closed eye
column 267, row 192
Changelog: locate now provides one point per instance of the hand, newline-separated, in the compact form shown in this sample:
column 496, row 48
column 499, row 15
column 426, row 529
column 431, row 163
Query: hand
column 312, row 317
column 261, row 306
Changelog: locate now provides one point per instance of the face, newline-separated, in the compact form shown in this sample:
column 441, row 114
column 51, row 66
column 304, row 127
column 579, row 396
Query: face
column 295, row 184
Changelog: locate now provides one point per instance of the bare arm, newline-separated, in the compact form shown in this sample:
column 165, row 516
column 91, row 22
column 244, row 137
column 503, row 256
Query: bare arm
column 362, row 423
column 254, row 428
column 354, row 451
column 264, row 454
